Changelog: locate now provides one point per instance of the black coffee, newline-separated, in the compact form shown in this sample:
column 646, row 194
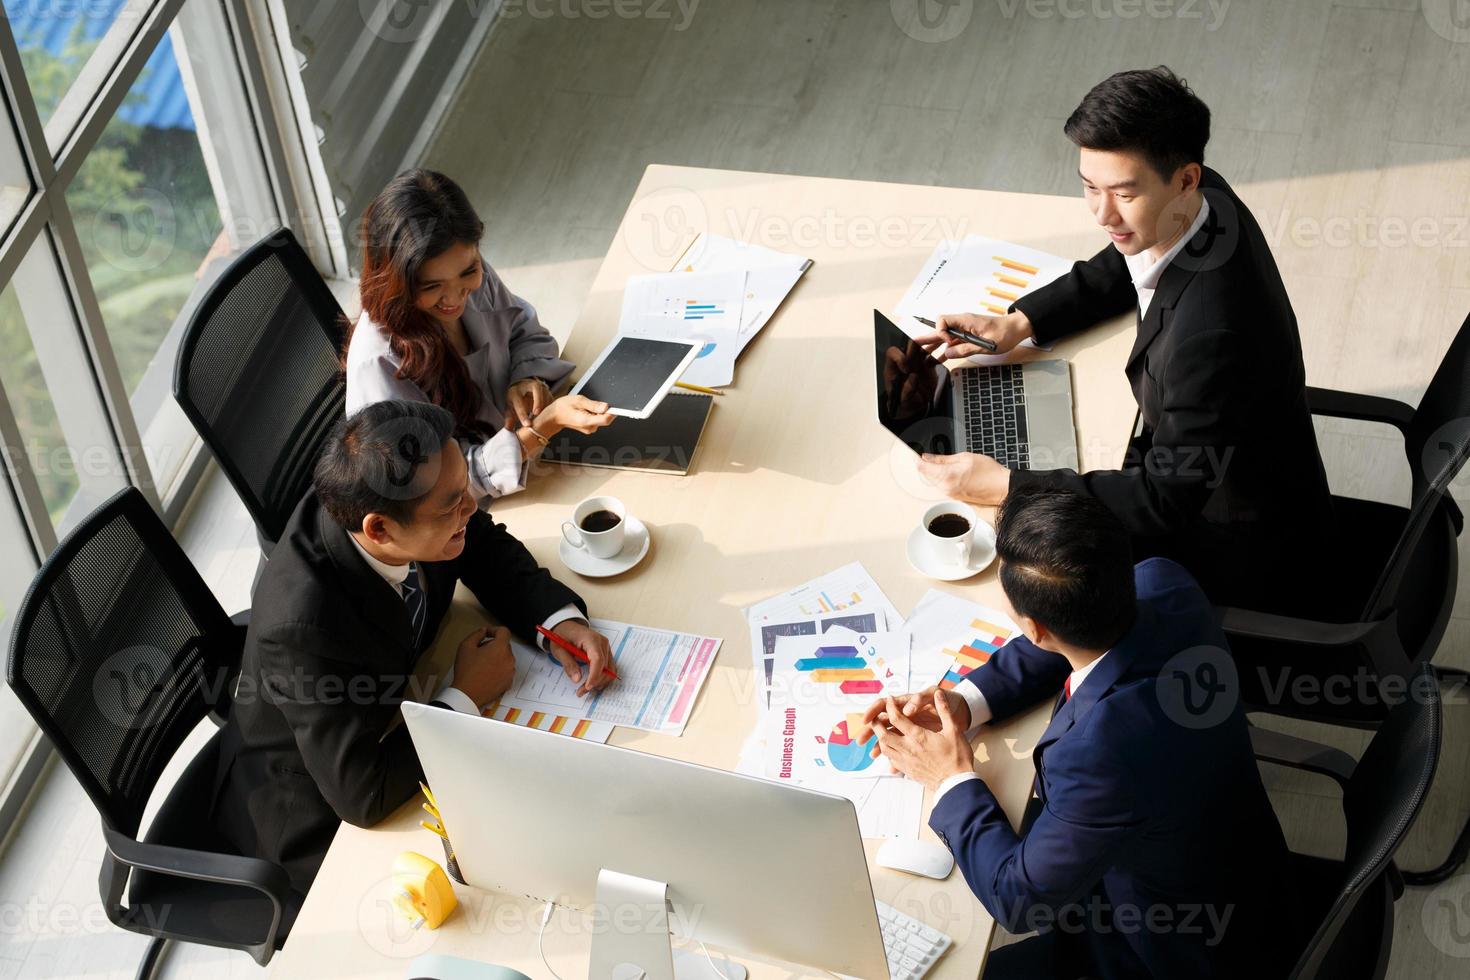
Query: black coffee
column 949, row 526
column 606, row 520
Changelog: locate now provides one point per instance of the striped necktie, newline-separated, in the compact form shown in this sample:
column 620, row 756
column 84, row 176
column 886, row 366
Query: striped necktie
column 413, row 600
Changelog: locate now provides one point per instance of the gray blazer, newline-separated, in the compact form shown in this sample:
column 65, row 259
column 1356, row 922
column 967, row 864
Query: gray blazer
column 507, row 344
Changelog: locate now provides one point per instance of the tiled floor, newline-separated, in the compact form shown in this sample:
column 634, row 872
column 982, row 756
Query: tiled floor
column 1345, row 126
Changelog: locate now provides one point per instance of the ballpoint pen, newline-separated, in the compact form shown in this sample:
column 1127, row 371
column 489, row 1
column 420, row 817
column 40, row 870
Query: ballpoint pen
column 968, row 338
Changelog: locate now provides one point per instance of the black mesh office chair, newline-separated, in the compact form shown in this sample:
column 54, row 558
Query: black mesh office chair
column 119, row 651
column 1347, row 905
column 1398, row 574
column 259, row 377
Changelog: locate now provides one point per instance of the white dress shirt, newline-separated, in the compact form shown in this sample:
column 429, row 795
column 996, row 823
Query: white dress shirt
column 980, row 713
column 449, row 695
column 1146, row 271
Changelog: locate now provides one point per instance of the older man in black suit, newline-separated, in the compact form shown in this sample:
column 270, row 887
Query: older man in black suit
column 354, row 593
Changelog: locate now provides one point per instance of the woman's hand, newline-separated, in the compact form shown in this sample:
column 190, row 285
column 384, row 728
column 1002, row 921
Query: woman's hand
column 572, row 412
column 526, row 399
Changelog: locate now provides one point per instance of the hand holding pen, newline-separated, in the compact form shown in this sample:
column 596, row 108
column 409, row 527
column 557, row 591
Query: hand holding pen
column 967, row 334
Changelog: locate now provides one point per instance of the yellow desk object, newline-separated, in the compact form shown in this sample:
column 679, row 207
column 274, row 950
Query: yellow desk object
column 421, row 890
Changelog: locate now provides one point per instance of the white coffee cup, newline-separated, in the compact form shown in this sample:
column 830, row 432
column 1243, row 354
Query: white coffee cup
column 951, row 549
column 599, row 544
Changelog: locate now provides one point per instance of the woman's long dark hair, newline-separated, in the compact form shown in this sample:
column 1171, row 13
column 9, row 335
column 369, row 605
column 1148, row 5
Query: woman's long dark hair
column 419, row 215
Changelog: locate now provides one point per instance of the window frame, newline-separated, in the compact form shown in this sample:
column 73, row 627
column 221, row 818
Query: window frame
column 256, row 162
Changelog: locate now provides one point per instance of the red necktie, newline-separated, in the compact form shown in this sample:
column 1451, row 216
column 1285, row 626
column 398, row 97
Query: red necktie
column 1067, row 689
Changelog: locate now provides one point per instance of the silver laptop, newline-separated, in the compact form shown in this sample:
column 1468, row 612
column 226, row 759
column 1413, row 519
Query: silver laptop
column 1020, row 414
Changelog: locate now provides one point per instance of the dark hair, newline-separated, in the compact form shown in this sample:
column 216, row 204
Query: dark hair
column 419, row 215
column 1067, row 563
column 1150, row 111
column 374, row 460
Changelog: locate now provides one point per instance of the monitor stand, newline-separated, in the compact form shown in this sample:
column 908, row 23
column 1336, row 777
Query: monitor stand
column 633, row 941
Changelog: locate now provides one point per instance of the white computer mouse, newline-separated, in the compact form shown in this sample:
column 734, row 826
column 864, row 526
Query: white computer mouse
column 917, row 857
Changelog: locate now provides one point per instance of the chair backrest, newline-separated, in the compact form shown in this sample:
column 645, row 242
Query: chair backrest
column 259, row 376
column 1381, row 801
column 1419, row 579
column 119, row 650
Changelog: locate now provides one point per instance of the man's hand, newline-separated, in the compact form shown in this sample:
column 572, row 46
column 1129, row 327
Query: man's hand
column 524, row 401
column 971, row 477
column 920, row 754
column 1004, row 331
column 918, row 708
column 484, row 667
column 595, row 677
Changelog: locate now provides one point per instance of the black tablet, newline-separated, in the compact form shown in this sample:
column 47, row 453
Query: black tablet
column 665, row 442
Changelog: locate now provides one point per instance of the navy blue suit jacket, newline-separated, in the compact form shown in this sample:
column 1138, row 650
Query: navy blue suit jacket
column 1156, row 852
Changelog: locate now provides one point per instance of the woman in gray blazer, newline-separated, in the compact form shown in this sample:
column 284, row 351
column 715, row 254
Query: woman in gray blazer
column 438, row 325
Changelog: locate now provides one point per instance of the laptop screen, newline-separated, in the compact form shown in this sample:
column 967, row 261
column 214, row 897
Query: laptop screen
column 915, row 397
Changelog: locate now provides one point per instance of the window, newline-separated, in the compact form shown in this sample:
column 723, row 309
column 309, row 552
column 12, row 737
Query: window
column 56, row 39
column 111, row 219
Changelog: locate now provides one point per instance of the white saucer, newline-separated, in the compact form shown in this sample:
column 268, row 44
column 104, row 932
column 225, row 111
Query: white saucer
column 926, row 562
column 635, row 545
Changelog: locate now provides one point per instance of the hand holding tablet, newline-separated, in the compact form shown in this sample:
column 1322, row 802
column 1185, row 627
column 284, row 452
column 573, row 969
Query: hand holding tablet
column 633, row 374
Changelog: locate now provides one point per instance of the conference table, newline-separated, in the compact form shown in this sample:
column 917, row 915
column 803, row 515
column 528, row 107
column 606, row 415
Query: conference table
column 793, row 478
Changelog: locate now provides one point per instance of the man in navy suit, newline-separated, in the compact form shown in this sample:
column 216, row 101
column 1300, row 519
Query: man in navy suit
column 1153, row 851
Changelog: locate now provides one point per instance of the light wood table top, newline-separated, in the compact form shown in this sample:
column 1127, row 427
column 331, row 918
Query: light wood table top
column 793, row 479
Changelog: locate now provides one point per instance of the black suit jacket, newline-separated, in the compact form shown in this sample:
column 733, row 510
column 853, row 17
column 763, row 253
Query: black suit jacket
column 327, row 660
column 1225, row 475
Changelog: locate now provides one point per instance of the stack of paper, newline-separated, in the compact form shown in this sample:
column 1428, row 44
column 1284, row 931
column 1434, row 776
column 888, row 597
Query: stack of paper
column 703, row 307
column 798, row 638
column 951, row 637
column 977, row 275
column 769, row 275
column 721, row 295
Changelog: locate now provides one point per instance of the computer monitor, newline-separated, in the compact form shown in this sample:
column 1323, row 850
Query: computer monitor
column 747, row 863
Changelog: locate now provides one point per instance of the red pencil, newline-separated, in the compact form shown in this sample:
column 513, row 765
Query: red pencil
column 578, row 654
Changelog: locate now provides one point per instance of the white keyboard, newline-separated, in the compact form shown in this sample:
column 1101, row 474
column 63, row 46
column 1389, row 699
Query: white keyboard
column 912, row 946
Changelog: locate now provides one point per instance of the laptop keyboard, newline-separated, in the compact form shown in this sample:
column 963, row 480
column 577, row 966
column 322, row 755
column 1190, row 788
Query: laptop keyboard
column 995, row 414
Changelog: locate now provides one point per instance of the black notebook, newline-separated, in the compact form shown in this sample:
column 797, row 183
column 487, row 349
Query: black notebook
column 665, row 442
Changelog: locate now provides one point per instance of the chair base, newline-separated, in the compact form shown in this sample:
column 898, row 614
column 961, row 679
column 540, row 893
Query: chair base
column 152, row 958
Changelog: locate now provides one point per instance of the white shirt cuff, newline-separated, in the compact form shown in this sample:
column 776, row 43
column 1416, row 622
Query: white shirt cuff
column 563, row 614
column 980, row 711
column 951, row 783
column 497, row 466
column 457, row 700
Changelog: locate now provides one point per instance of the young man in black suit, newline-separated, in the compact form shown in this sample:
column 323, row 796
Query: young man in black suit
column 353, row 594
column 1224, row 474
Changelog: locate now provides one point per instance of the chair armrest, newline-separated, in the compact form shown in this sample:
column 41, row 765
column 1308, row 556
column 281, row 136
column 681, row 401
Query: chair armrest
column 1365, row 408
column 124, row 852
column 1379, row 641
column 1308, row 632
column 225, row 869
column 1301, row 753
